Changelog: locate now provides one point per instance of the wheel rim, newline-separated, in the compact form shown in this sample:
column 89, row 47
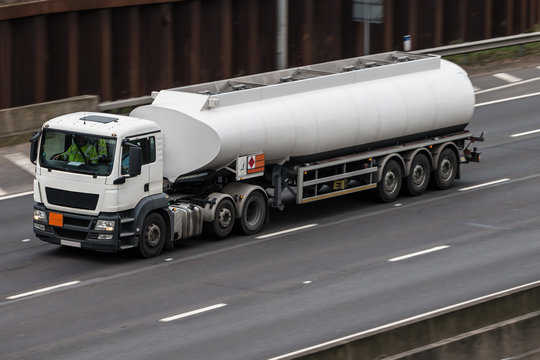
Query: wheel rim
column 390, row 182
column 224, row 217
column 446, row 169
column 419, row 175
column 253, row 213
column 153, row 235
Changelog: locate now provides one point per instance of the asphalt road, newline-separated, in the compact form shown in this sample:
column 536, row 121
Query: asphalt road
column 256, row 298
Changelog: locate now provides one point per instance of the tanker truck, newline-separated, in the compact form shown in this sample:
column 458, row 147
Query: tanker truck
column 216, row 156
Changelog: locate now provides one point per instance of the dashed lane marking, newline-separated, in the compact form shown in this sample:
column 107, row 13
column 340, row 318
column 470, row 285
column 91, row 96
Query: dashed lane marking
column 525, row 133
column 507, row 77
column 408, row 256
column 285, row 231
column 194, row 312
column 38, row 291
column 6, row 197
column 484, row 184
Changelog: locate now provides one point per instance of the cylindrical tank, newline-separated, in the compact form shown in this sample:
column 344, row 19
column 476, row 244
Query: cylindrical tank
column 312, row 123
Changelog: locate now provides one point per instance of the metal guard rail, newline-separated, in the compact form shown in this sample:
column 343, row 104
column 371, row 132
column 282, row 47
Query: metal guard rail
column 442, row 51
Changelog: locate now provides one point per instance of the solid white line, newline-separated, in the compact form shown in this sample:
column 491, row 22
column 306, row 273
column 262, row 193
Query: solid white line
column 484, row 184
column 394, row 324
column 507, row 77
column 22, row 161
column 194, row 312
column 507, row 99
column 13, row 297
column 16, row 195
column 525, row 133
column 286, row 231
column 437, row 248
column 506, row 86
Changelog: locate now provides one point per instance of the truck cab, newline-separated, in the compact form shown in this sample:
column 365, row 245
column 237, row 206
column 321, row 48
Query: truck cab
column 95, row 174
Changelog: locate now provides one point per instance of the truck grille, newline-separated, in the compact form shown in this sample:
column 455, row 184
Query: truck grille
column 72, row 199
column 70, row 234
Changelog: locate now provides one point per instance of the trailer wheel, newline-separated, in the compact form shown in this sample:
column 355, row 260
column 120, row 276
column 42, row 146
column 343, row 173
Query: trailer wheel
column 444, row 175
column 390, row 183
column 253, row 214
column 152, row 237
column 418, row 179
column 223, row 220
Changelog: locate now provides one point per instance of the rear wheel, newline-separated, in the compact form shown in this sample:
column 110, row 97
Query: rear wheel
column 418, row 178
column 253, row 214
column 152, row 237
column 444, row 175
column 223, row 220
column 390, row 183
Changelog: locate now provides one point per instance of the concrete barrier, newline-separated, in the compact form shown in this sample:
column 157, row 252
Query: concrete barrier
column 17, row 124
column 505, row 324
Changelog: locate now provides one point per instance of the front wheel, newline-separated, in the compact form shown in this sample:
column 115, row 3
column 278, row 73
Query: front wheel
column 253, row 214
column 152, row 238
column 444, row 175
column 223, row 220
column 390, row 183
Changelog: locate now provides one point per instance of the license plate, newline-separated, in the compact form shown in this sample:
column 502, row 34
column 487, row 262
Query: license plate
column 70, row 243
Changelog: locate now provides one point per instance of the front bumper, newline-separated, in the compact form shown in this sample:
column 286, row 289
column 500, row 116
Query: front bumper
column 78, row 231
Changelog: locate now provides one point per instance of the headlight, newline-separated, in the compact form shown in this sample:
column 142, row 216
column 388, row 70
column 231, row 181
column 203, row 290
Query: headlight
column 40, row 215
column 104, row 225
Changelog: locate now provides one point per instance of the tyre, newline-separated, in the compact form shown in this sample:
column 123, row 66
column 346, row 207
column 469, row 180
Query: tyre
column 152, row 238
column 418, row 179
column 253, row 214
column 390, row 182
column 223, row 220
column 445, row 173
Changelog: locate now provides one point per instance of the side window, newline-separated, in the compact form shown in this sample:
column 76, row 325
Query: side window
column 148, row 146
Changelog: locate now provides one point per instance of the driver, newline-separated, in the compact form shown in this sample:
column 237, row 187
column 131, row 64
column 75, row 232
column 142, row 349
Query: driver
column 80, row 151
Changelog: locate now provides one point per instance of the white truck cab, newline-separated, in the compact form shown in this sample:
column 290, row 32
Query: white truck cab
column 95, row 174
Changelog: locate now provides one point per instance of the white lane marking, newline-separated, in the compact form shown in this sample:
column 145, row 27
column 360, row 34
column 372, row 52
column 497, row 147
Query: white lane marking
column 507, row 99
column 507, row 85
column 507, row 77
column 38, row 291
column 307, row 282
column 491, row 227
column 404, row 321
column 2, row 192
column 476, row 89
column 525, row 133
column 538, row 67
column 22, row 161
column 484, row 184
column 194, row 312
column 16, row 195
column 26, row 240
column 286, row 231
column 436, row 248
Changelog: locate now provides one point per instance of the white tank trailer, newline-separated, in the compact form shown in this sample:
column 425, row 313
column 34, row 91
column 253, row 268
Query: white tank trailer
column 218, row 155
column 311, row 113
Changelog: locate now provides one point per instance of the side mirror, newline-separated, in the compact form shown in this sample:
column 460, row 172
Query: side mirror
column 34, row 145
column 135, row 161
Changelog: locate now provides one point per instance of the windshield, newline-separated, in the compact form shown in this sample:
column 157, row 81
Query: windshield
column 78, row 153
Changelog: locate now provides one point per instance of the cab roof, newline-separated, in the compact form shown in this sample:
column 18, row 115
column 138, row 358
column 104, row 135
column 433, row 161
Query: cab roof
column 102, row 124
